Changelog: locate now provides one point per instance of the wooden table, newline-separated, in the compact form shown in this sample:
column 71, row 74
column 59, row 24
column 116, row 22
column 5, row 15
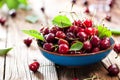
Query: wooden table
column 14, row 65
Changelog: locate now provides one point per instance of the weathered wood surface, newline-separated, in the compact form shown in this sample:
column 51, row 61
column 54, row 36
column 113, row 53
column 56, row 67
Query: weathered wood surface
column 14, row 66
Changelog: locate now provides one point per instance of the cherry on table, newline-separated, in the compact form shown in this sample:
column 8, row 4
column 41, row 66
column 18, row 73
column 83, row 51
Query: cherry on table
column 12, row 13
column 108, row 17
column 113, row 70
column 2, row 20
column 28, row 42
column 116, row 48
column 34, row 66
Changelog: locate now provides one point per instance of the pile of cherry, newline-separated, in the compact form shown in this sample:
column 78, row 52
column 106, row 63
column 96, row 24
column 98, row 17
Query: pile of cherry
column 60, row 39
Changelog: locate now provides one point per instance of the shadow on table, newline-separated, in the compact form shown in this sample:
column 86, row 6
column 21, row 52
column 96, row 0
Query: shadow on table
column 80, row 72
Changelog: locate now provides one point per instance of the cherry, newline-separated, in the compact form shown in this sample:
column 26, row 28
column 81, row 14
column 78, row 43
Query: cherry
column 95, row 41
column 74, row 1
column 43, row 9
column 70, row 36
column 104, row 44
column 87, row 23
column 12, row 13
column 80, row 29
column 96, row 49
column 111, row 2
column 48, row 46
column 2, row 21
column 63, row 48
column 62, row 41
column 116, row 48
column 77, row 23
column 87, row 45
column 113, row 70
column 89, row 31
column 85, row 2
column 82, row 36
column 108, row 17
column 28, row 42
column 87, row 10
column 73, row 29
column 60, row 34
column 55, row 29
column 34, row 66
column 50, row 37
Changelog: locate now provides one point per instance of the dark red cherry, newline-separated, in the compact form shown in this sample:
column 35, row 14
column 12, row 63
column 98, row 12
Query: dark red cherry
column 70, row 36
column 60, row 34
column 113, row 70
column 48, row 46
column 108, row 17
column 87, row 10
column 12, row 13
column 77, row 23
column 43, row 9
column 116, row 48
column 27, row 42
column 50, row 37
column 95, row 41
column 82, row 36
column 87, row 45
column 104, row 44
column 34, row 66
column 2, row 21
column 63, row 48
column 73, row 29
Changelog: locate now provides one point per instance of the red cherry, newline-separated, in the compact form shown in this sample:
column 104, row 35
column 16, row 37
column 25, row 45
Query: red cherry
column 89, row 31
column 88, row 23
column 113, row 70
column 60, row 34
column 34, row 66
column 117, row 48
column 63, row 48
column 87, row 10
column 87, row 45
column 2, row 21
column 62, row 41
column 48, row 46
column 28, row 42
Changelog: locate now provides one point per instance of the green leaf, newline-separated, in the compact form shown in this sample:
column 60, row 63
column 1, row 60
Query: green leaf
column 115, row 31
column 12, row 4
column 34, row 34
column 32, row 18
column 104, row 31
column 23, row 2
column 61, row 21
column 4, row 51
column 2, row 2
column 76, row 46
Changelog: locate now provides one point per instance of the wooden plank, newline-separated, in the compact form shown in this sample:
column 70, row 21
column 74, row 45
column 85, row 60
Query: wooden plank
column 21, row 56
column 3, row 36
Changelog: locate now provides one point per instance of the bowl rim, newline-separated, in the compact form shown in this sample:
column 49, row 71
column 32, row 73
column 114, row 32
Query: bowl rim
column 89, row 54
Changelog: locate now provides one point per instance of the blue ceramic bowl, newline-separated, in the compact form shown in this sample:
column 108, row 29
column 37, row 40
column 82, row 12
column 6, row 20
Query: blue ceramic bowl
column 76, row 59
